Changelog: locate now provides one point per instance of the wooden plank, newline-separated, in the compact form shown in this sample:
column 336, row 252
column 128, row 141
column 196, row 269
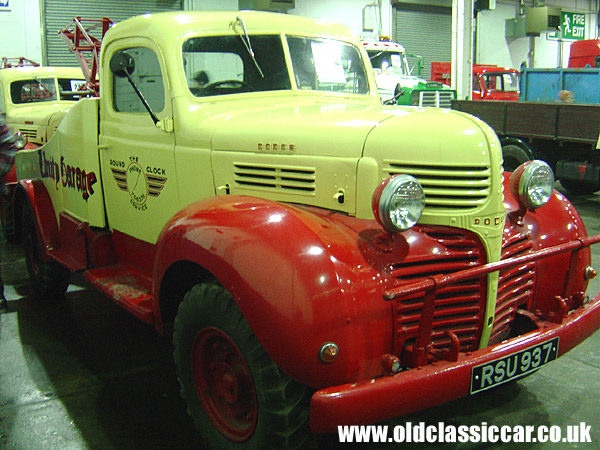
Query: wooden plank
column 528, row 119
column 578, row 123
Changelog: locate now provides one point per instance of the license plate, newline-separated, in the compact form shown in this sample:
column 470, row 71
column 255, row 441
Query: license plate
column 511, row 367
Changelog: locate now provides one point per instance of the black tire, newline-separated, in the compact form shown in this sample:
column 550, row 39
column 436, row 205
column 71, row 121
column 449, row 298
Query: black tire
column 513, row 157
column 50, row 280
column 579, row 187
column 236, row 395
column 7, row 220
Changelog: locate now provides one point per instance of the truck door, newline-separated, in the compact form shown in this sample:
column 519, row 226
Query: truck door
column 138, row 164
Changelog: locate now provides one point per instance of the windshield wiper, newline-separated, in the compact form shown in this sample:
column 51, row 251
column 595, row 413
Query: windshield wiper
column 246, row 41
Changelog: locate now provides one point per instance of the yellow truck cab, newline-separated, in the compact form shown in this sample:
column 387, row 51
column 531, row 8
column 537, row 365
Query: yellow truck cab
column 317, row 257
column 34, row 99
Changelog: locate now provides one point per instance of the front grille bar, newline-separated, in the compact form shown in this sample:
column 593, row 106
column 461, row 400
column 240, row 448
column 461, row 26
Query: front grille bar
column 435, row 282
column 432, row 284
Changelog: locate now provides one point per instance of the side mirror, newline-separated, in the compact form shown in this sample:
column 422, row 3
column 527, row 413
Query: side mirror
column 122, row 64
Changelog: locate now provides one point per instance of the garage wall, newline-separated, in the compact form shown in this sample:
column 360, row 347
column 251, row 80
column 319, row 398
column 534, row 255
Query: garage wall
column 494, row 48
column 58, row 14
column 210, row 5
column 20, row 30
column 412, row 25
column 348, row 12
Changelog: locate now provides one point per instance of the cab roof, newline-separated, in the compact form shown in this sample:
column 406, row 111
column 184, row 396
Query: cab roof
column 169, row 26
column 20, row 73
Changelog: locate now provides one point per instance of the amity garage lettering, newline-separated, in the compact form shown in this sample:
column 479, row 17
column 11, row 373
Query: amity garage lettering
column 71, row 177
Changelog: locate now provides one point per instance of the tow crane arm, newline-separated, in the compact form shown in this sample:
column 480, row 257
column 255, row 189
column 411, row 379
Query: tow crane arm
column 21, row 61
column 86, row 47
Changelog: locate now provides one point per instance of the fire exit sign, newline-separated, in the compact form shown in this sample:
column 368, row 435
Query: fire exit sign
column 572, row 26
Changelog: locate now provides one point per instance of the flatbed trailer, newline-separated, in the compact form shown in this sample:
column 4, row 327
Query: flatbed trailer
column 563, row 134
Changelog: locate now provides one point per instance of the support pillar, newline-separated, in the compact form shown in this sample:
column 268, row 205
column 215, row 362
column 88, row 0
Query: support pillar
column 462, row 47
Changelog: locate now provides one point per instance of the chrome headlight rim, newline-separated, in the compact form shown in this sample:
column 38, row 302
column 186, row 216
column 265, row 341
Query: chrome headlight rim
column 20, row 140
column 391, row 192
column 532, row 184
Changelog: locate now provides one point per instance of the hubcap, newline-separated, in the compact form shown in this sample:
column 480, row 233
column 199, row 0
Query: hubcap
column 224, row 384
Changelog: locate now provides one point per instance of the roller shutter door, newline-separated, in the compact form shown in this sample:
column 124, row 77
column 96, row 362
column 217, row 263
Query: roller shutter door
column 425, row 31
column 57, row 14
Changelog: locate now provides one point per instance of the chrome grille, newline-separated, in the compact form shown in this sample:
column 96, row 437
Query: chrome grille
column 275, row 178
column 436, row 99
column 457, row 188
column 515, row 285
column 459, row 308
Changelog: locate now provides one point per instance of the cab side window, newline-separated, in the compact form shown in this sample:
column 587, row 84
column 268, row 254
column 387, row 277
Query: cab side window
column 147, row 76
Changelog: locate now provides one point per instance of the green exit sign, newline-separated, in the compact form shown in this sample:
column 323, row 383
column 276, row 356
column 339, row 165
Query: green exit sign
column 572, row 26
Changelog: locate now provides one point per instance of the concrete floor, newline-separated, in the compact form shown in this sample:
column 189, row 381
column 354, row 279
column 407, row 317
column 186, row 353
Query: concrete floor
column 82, row 374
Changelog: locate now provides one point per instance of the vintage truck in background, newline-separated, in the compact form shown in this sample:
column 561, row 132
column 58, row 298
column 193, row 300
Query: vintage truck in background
column 34, row 100
column 490, row 82
column 396, row 83
column 317, row 257
column 585, row 53
column 557, row 120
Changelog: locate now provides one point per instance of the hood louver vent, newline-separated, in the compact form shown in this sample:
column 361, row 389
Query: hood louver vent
column 275, row 178
column 31, row 133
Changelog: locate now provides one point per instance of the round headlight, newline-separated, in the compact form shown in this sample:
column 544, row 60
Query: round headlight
column 398, row 203
column 20, row 140
column 532, row 184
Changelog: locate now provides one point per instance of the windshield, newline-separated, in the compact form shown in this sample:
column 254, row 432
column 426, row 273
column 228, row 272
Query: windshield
column 327, row 65
column 507, row 82
column 36, row 90
column 220, row 65
column 389, row 62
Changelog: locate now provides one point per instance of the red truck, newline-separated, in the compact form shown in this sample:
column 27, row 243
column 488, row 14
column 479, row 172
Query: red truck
column 489, row 82
column 585, row 53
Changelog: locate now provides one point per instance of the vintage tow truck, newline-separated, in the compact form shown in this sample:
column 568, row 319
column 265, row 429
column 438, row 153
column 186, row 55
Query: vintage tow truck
column 34, row 99
column 318, row 258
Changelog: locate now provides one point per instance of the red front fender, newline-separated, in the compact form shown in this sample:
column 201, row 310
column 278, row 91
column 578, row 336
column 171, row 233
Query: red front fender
column 34, row 192
column 297, row 277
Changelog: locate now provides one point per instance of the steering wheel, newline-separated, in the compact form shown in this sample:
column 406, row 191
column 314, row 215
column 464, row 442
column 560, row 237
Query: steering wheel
column 238, row 85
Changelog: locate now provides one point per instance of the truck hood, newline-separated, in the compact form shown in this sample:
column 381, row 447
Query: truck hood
column 334, row 149
column 41, row 115
column 313, row 129
column 341, row 130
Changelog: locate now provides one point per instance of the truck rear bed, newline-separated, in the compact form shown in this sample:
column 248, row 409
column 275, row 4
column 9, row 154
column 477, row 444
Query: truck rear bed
column 552, row 121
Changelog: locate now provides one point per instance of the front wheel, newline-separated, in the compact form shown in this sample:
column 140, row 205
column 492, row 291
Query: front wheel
column 50, row 280
column 236, row 395
column 513, row 157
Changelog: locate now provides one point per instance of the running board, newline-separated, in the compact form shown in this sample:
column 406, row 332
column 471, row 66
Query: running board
column 128, row 286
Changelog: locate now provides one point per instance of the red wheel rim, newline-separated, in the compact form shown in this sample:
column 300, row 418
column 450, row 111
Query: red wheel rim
column 224, row 384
